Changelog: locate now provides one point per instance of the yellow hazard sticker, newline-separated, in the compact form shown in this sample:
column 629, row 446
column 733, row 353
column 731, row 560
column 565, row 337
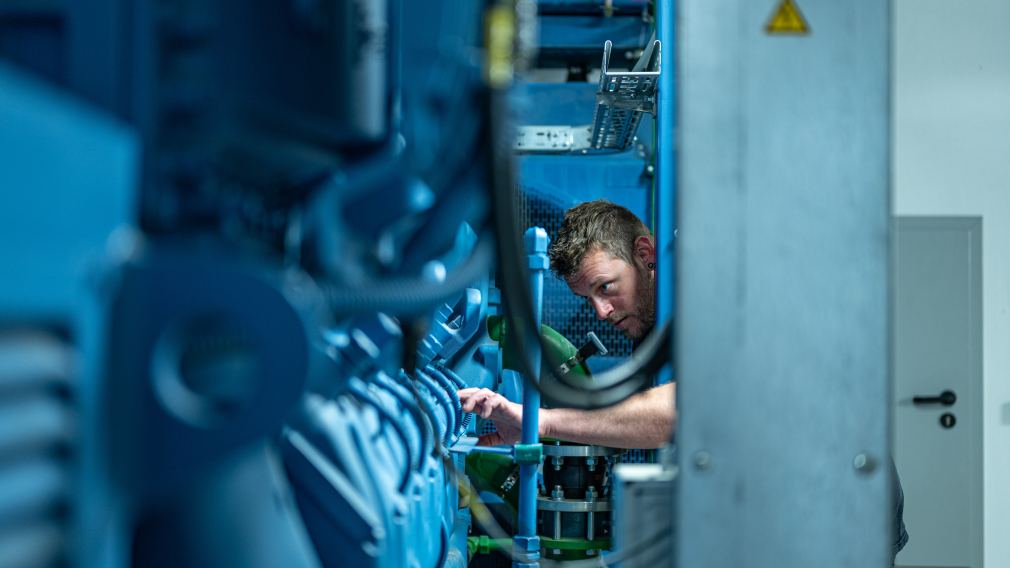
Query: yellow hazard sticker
column 787, row 19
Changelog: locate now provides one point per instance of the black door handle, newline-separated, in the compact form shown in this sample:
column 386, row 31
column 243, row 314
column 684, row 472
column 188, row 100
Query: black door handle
column 946, row 398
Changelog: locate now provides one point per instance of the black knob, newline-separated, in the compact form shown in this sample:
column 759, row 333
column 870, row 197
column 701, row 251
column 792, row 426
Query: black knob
column 946, row 398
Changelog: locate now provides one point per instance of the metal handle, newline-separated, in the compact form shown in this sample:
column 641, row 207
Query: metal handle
column 593, row 346
column 946, row 398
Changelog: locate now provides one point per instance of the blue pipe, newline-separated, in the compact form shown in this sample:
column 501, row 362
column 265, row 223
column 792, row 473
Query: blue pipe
column 430, row 413
column 526, row 539
column 357, row 389
column 444, row 403
column 411, row 406
column 666, row 172
column 460, row 384
column 450, row 389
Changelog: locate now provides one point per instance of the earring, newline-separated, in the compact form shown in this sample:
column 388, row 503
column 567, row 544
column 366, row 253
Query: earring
column 652, row 265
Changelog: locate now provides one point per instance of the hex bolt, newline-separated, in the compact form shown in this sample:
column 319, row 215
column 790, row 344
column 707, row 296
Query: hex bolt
column 863, row 463
column 702, row 460
column 557, row 494
column 591, row 463
column 557, row 461
column 590, row 515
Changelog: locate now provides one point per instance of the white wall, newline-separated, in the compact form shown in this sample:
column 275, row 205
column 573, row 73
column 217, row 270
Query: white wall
column 952, row 157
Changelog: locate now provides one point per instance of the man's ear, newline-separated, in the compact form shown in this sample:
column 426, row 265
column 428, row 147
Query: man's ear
column 645, row 249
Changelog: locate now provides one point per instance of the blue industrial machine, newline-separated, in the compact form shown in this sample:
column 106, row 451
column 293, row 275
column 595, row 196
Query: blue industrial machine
column 252, row 249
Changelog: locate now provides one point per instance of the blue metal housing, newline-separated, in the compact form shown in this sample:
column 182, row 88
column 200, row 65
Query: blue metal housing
column 195, row 208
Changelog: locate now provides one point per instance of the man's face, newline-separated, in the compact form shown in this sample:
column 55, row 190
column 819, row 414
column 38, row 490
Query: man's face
column 619, row 292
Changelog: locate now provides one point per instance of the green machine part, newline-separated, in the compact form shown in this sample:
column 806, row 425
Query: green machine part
column 499, row 474
column 556, row 348
column 484, row 544
column 496, row 473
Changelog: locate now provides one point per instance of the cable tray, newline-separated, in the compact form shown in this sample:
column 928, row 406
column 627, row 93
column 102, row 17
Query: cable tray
column 623, row 96
column 621, row 99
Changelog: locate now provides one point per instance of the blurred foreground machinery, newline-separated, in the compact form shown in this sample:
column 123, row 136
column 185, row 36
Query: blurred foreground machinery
column 208, row 211
column 250, row 261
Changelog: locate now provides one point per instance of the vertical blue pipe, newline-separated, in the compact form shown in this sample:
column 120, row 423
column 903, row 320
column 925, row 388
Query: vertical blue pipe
column 526, row 538
column 666, row 172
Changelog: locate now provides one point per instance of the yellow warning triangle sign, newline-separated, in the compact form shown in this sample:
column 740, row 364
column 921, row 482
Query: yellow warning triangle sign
column 787, row 19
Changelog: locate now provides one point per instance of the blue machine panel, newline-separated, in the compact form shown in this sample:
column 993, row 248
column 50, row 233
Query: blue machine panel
column 253, row 370
column 69, row 177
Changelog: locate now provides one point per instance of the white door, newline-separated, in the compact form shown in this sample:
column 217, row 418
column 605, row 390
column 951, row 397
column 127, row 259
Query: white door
column 938, row 347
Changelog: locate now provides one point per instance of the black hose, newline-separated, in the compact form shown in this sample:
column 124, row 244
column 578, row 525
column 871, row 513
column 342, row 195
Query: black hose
column 414, row 295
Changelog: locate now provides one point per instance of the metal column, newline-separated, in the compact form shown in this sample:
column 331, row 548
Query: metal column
column 782, row 337
column 666, row 171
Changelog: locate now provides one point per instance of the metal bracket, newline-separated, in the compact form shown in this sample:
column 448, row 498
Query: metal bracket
column 529, row 453
column 622, row 98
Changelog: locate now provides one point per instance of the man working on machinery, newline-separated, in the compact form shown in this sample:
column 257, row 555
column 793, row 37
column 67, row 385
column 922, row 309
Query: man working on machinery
column 607, row 255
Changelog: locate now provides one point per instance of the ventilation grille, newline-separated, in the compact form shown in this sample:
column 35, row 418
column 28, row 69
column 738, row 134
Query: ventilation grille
column 36, row 441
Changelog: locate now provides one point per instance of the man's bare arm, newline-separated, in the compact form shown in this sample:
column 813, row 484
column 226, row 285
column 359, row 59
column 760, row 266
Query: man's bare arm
column 644, row 420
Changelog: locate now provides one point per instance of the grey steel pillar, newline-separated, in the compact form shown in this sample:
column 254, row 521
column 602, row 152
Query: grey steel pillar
column 782, row 285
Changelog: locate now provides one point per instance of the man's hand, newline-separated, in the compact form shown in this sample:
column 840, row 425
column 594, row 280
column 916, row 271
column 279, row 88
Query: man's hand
column 507, row 415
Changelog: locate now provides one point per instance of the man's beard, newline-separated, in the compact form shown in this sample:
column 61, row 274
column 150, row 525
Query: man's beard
column 647, row 301
column 645, row 307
